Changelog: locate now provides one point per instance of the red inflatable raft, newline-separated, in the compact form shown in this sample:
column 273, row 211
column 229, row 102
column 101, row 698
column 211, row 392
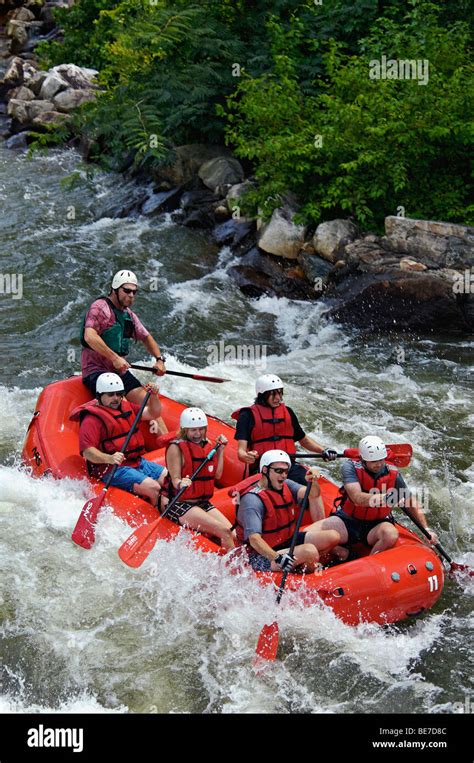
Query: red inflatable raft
column 402, row 582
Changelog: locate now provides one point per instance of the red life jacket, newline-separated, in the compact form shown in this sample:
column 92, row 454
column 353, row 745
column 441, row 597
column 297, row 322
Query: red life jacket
column 194, row 454
column 272, row 429
column 368, row 482
column 117, row 425
column 281, row 513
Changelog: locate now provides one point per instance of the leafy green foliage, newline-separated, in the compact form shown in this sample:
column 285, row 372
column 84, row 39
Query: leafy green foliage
column 286, row 83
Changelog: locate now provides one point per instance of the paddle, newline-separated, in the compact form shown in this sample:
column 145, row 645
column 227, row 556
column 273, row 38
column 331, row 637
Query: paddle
column 267, row 645
column 399, row 454
column 454, row 567
column 140, row 543
column 216, row 379
column 84, row 531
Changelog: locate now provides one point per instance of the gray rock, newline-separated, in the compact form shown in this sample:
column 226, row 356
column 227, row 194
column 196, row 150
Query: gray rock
column 17, row 142
column 281, row 236
column 35, row 82
column 52, row 85
column 164, row 201
column 5, row 47
column 21, row 93
column 232, row 232
column 49, row 119
column 25, row 111
column 186, row 162
column 446, row 244
column 21, row 14
column 221, row 171
column 18, row 31
column 5, row 126
column 331, row 237
column 259, row 273
column 14, row 74
column 76, row 77
column 69, row 100
column 316, row 270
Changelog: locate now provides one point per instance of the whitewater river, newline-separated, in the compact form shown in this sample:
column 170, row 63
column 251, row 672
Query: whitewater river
column 81, row 631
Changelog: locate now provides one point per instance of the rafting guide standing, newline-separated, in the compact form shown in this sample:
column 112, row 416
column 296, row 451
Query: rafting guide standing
column 107, row 329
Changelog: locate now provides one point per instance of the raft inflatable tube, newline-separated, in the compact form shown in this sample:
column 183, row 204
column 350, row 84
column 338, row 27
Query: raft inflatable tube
column 403, row 582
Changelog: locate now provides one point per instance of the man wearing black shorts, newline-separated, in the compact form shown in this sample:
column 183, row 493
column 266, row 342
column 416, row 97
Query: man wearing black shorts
column 371, row 489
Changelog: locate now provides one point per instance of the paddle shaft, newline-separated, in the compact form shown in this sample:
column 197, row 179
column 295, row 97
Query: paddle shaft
column 174, row 500
column 215, row 379
column 127, row 440
column 84, row 531
column 134, row 544
column 425, row 532
column 293, row 540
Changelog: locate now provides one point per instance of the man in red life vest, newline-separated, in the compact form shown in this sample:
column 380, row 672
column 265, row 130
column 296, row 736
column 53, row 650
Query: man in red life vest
column 107, row 329
column 104, row 426
column 371, row 489
column 267, row 516
column 269, row 424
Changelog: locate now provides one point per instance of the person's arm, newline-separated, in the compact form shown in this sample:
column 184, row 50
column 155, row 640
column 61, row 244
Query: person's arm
column 262, row 547
column 309, row 444
column 315, row 501
column 152, row 347
column 222, row 441
column 96, row 456
column 174, row 464
column 244, row 455
column 98, row 345
column 152, row 409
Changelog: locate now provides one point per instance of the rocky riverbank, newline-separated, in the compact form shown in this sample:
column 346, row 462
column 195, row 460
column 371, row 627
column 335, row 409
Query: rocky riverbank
column 418, row 277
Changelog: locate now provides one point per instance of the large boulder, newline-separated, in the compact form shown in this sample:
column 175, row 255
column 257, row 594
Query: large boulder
column 76, row 77
column 52, row 85
column 25, row 111
column 442, row 244
column 186, row 162
column 21, row 93
column 331, row 237
column 18, row 31
column 258, row 273
column 21, row 14
column 35, row 81
column 282, row 236
column 68, row 100
column 49, row 119
column 221, row 172
column 14, row 74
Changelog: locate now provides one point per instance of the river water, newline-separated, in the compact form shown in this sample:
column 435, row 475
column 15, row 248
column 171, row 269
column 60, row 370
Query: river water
column 83, row 633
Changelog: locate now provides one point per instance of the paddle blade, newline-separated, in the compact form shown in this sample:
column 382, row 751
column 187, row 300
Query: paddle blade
column 84, row 531
column 139, row 544
column 462, row 569
column 399, row 454
column 267, row 645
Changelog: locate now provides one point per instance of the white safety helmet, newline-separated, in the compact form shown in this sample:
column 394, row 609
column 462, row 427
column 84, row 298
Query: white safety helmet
column 109, row 383
column 372, row 448
column 267, row 382
column 123, row 276
column 272, row 456
column 192, row 418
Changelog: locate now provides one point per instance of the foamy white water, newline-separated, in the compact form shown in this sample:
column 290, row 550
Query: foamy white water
column 83, row 633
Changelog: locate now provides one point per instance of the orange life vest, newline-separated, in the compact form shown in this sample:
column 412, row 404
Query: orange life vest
column 194, row 454
column 369, row 483
column 117, row 426
column 281, row 513
column 272, row 429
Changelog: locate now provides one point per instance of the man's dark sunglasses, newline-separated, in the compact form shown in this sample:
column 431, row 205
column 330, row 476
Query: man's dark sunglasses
column 129, row 291
column 279, row 470
column 113, row 394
